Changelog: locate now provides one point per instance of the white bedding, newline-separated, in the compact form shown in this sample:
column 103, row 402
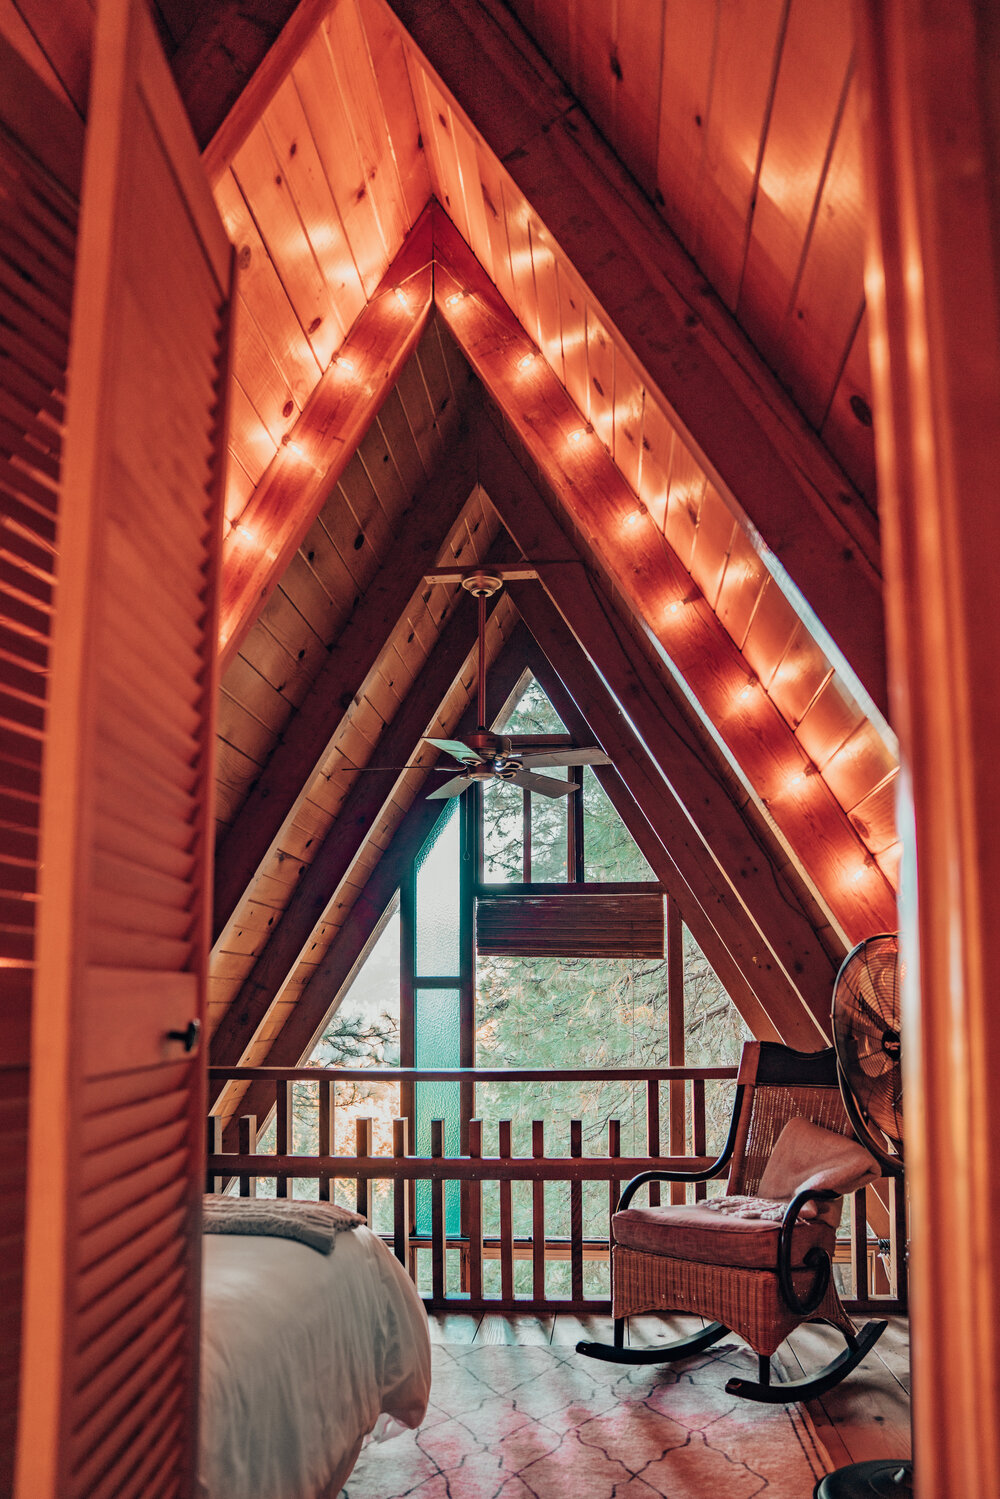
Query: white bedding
column 301, row 1352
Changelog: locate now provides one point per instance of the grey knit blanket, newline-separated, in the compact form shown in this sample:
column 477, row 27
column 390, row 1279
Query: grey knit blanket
column 314, row 1223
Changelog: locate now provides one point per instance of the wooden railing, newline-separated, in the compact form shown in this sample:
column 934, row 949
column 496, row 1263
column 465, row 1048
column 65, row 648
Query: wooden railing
column 446, row 1246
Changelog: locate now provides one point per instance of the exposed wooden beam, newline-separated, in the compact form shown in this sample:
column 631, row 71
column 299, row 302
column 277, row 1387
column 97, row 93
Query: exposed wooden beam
column 720, row 395
column 341, row 408
column 506, row 571
column 294, row 1043
column 369, row 795
column 691, row 763
column 591, row 496
column 697, row 880
column 419, row 544
column 728, row 971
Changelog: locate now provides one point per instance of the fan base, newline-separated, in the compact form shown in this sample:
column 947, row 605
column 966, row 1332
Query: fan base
column 882, row 1479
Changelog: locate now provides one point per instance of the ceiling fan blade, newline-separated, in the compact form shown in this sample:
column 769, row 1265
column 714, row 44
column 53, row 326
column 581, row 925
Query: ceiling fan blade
column 591, row 756
column 544, row 784
column 455, row 747
column 454, row 787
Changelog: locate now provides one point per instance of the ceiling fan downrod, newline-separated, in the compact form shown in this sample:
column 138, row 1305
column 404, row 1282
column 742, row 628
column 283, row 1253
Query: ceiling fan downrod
column 482, row 586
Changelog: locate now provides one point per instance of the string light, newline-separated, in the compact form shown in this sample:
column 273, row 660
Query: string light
column 746, row 691
column 578, row 434
column 798, row 777
column 344, row 364
column 400, row 296
column 526, row 361
column 300, row 452
column 454, row 299
column 870, row 863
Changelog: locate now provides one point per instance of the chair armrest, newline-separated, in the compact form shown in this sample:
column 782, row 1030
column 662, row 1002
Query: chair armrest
column 657, row 1174
column 632, row 1187
column 817, row 1259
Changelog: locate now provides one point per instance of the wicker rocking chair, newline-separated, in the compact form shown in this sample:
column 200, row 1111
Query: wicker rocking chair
column 758, row 1261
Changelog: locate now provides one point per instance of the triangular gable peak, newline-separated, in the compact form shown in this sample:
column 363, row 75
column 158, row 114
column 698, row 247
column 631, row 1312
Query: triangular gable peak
column 651, row 520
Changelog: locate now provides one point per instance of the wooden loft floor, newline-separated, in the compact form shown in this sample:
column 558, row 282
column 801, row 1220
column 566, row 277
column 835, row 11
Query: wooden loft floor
column 865, row 1417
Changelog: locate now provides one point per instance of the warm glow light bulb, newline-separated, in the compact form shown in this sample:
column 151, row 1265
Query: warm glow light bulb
column 344, row 364
column 526, row 361
column 400, row 295
column 577, row 435
column 454, row 299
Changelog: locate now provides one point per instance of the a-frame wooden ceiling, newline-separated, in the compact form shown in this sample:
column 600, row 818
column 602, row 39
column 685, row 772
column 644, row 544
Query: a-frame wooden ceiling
column 585, row 296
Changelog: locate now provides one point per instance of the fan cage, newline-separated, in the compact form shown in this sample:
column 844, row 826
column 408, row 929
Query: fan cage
column 866, row 1037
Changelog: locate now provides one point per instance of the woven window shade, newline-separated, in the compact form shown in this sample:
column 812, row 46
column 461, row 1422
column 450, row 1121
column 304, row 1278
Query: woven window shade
column 570, row 926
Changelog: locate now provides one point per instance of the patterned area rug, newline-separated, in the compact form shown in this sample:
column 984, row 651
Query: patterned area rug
column 545, row 1423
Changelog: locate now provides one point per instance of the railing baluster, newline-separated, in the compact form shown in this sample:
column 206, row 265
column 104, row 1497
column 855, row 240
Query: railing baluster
column 400, row 1196
column 364, row 1136
column 475, row 1216
column 653, row 1132
column 576, row 1215
column 614, row 1149
column 897, row 1238
column 214, row 1183
column 282, row 1131
column 538, row 1215
column 326, row 1088
column 859, row 1245
column 676, row 1121
column 698, row 1131
column 248, row 1146
column 437, row 1215
column 506, row 1218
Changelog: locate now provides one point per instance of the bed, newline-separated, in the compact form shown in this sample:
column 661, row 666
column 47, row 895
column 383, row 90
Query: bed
column 303, row 1355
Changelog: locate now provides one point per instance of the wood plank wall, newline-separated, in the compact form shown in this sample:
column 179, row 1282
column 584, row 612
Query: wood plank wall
column 746, row 138
column 830, row 727
column 557, row 312
column 317, row 197
column 350, row 541
column 246, row 936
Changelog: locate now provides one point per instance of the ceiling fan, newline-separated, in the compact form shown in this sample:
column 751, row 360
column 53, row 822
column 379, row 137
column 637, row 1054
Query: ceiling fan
column 484, row 756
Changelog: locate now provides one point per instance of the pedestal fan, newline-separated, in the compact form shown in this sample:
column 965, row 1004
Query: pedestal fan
column 866, row 1017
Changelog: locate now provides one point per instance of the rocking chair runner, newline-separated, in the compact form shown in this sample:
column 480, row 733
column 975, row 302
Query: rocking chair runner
column 755, row 1267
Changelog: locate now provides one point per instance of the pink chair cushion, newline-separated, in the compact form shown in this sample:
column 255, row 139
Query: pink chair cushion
column 725, row 1231
column 805, row 1155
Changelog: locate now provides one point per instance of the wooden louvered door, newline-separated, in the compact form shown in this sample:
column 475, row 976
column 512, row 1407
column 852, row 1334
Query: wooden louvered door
column 37, row 252
column 117, row 1105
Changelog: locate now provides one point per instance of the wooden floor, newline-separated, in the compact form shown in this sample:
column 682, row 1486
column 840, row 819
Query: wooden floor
column 867, row 1416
